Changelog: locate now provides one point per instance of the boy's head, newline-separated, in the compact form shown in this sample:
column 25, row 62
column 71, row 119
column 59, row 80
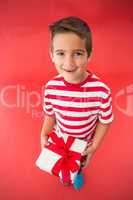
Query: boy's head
column 73, row 25
column 71, row 47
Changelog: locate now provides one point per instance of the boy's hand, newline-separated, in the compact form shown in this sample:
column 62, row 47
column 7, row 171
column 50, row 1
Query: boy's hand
column 44, row 140
column 88, row 153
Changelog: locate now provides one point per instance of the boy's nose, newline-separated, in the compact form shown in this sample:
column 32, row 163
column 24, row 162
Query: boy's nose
column 69, row 64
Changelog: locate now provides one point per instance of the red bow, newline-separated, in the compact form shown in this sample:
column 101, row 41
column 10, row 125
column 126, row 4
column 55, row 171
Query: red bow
column 67, row 162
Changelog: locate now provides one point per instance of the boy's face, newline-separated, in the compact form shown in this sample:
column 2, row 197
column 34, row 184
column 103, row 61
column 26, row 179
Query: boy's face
column 70, row 56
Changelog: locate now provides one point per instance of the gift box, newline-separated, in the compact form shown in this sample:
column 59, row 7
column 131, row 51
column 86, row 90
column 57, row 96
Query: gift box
column 61, row 156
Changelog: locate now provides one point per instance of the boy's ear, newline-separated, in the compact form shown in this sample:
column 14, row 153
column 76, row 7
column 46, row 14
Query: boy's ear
column 90, row 56
column 51, row 55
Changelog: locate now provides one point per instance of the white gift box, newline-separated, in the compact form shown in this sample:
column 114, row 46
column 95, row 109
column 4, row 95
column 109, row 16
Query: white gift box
column 48, row 158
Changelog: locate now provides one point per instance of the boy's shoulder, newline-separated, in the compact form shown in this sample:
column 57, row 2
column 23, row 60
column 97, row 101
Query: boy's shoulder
column 56, row 80
column 97, row 82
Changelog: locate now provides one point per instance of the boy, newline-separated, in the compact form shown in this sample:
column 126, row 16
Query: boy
column 76, row 102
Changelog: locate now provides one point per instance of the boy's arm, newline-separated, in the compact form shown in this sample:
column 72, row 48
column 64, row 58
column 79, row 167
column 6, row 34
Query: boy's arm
column 101, row 131
column 47, row 127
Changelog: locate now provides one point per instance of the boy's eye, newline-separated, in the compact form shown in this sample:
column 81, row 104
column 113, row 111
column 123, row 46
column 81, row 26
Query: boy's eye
column 78, row 54
column 60, row 54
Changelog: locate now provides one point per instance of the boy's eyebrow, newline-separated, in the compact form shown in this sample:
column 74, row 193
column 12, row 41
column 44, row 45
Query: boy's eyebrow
column 82, row 50
column 59, row 50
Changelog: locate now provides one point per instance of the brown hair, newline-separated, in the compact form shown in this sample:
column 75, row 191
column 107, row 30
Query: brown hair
column 75, row 25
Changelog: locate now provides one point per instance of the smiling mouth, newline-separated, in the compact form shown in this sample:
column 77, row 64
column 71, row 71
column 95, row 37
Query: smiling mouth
column 69, row 71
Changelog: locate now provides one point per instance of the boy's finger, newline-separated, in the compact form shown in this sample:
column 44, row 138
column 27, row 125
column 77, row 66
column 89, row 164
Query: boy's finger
column 84, row 153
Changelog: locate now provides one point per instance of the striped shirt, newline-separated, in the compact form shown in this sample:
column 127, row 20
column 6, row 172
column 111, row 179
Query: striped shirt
column 78, row 108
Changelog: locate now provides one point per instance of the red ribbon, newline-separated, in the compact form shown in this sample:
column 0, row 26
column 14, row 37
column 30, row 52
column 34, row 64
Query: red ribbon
column 67, row 162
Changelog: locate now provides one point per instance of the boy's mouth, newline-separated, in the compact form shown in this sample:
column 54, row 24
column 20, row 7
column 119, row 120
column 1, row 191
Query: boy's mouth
column 68, row 70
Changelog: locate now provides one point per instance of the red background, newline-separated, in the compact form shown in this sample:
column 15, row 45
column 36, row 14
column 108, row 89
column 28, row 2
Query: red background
column 25, row 61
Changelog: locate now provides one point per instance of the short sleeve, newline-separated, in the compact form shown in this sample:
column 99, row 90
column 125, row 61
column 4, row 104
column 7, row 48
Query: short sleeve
column 47, row 105
column 105, row 109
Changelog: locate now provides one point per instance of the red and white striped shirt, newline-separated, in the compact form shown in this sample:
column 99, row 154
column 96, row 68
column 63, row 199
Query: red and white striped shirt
column 78, row 107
